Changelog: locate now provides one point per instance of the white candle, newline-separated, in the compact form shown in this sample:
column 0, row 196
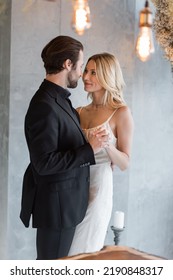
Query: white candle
column 119, row 219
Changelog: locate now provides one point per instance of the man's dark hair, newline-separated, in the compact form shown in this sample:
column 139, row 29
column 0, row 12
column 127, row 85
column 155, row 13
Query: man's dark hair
column 58, row 50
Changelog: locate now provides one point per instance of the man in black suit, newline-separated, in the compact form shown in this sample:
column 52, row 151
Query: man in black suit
column 56, row 182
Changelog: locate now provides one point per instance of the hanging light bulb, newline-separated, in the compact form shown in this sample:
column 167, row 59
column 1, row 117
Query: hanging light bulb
column 144, row 44
column 81, row 16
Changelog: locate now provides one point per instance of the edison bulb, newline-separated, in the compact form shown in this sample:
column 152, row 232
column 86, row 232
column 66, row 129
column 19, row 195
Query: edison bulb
column 144, row 44
column 81, row 21
column 81, row 16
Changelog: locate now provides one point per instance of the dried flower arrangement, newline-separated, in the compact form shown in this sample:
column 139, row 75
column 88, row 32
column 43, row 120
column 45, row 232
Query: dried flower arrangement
column 163, row 26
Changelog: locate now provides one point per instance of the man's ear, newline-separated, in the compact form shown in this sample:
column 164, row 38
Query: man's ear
column 67, row 64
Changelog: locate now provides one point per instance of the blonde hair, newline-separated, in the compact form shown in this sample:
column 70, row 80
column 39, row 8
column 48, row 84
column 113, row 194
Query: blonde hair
column 109, row 75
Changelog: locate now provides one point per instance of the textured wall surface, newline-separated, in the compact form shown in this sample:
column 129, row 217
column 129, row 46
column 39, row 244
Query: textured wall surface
column 145, row 191
column 150, row 206
column 5, row 29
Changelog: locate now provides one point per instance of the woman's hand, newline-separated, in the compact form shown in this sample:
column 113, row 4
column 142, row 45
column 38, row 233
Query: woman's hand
column 98, row 139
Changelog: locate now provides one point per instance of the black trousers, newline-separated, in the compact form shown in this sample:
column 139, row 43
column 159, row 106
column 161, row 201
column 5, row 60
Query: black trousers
column 53, row 244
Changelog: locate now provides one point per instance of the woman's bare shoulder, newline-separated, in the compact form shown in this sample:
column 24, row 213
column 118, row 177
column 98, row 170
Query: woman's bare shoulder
column 123, row 114
column 124, row 110
column 78, row 109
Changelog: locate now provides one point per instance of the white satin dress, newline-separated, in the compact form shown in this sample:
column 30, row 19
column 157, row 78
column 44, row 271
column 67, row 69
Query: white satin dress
column 91, row 232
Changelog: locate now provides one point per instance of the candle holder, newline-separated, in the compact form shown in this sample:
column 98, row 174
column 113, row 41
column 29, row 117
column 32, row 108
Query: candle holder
column 117, row 232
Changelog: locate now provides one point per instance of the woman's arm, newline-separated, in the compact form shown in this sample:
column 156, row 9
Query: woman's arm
column 120, row 155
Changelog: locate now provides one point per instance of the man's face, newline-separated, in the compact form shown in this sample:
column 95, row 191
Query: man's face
column 75, row 73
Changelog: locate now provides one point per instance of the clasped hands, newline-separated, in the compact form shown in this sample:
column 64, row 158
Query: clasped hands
column 99, row 139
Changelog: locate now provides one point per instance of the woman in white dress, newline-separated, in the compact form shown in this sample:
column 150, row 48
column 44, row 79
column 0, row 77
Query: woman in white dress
column 104, row 83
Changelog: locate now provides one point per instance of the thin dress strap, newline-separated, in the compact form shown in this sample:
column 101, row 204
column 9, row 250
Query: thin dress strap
column 111, row 115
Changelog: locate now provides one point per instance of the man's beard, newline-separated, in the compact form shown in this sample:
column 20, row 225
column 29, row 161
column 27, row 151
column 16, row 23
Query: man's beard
column 71, row 83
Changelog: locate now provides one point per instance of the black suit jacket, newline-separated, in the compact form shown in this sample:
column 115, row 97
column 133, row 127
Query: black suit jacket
column 56, row 182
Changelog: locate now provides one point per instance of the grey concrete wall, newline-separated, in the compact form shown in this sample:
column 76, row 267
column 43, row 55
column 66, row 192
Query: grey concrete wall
column 150, row 215
column 144, row 192
column 5, row 35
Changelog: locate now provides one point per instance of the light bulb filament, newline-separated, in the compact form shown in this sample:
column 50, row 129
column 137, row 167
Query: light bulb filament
column 144, row 43
column 81, row 16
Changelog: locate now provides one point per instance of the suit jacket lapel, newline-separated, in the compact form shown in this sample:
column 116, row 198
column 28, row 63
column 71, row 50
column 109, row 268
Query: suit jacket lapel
column 66, row 107
column 61, row 101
